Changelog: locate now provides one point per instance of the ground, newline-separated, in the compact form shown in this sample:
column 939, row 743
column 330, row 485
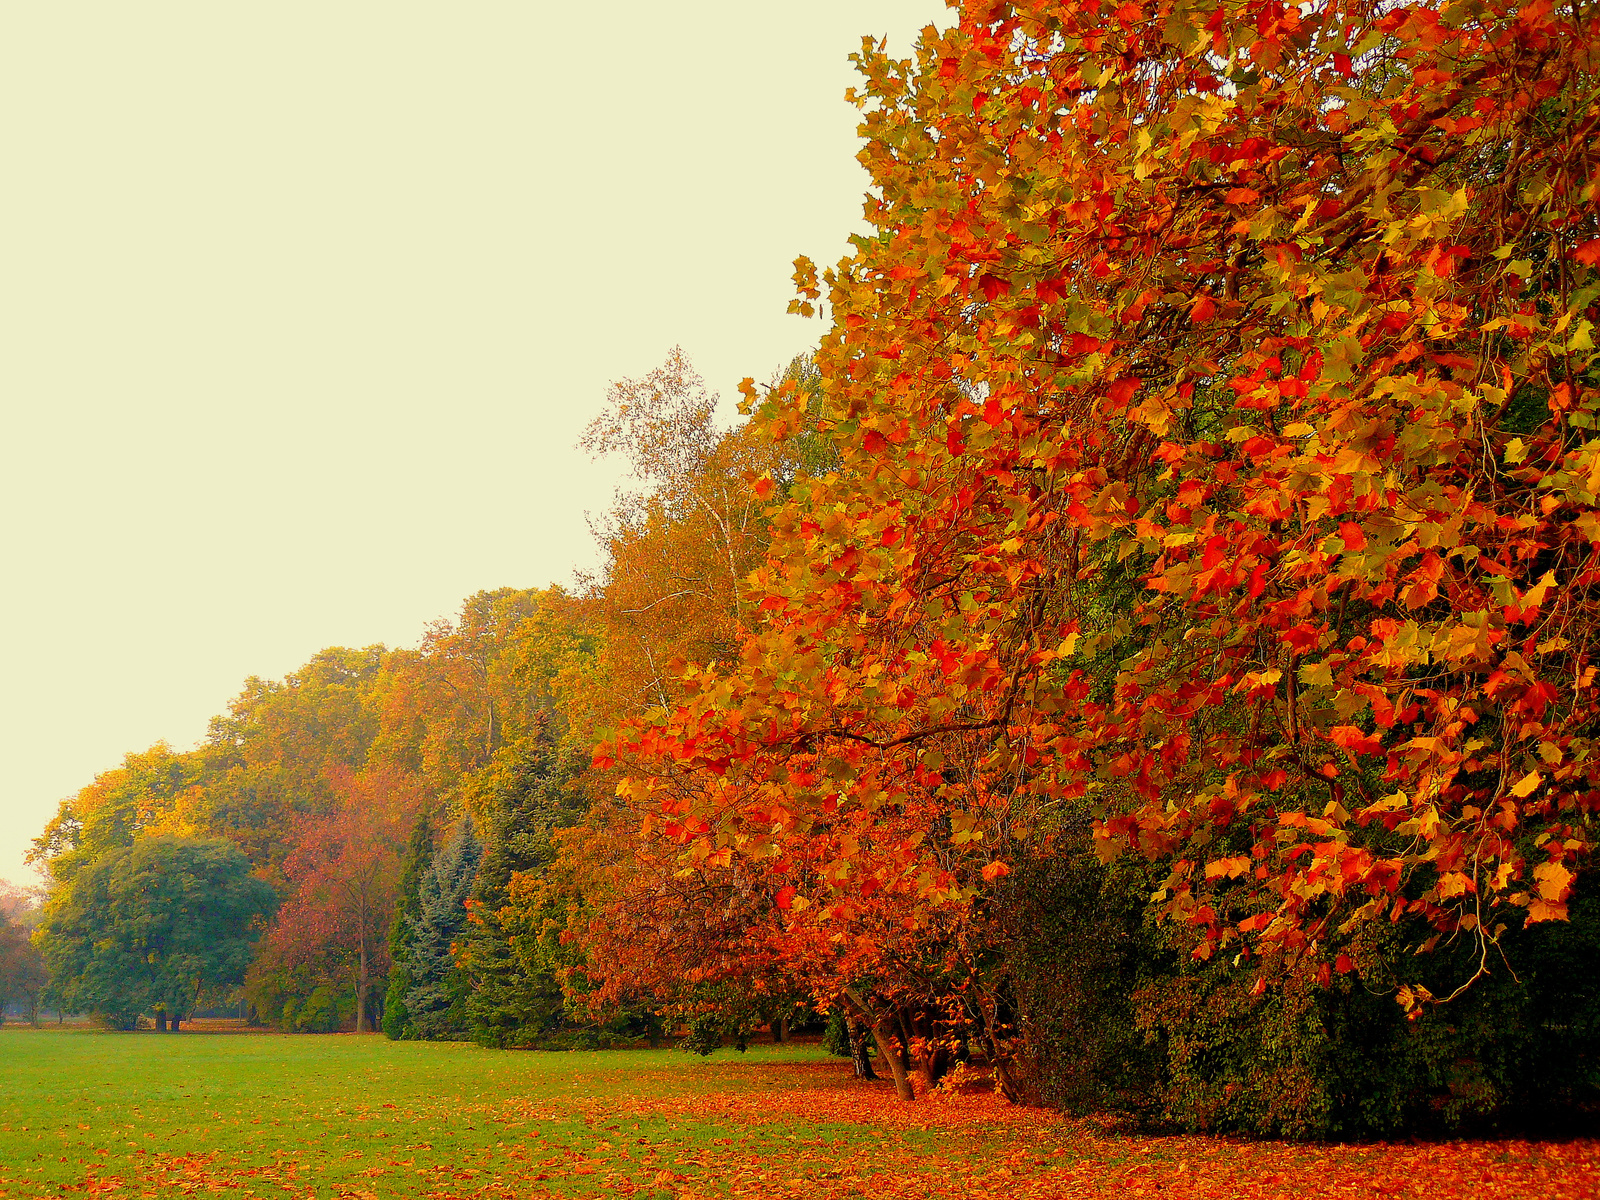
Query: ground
column 150, row 1115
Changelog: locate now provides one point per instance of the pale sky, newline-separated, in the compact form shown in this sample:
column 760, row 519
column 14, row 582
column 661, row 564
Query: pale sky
column 305, row 304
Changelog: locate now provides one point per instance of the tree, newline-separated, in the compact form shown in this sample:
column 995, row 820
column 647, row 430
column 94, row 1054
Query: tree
column 418, row 858
column 434, row 1000
column 22, row 971
column 453, row 710
column 342, row 878
column 269, row 761
column 677, row 549
column 147, row 928
column 109, row 814
column 1213, row 405
column 514, row 998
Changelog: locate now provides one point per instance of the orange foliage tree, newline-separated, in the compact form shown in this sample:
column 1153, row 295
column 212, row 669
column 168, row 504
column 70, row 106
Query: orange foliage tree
column 342, row 874
column 1214, row 400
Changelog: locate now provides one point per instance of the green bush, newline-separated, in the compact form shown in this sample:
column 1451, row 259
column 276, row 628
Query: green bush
column 836, row 1037
column 319, row 1013
column 1076, row 949
column 1108, row 1011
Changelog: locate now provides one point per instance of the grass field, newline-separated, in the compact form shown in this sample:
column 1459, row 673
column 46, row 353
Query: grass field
column 153, row 1115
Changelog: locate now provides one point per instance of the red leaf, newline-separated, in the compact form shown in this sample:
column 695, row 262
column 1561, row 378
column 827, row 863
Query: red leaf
column 1353, row 741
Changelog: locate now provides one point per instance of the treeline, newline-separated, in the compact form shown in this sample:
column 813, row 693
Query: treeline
column 1147, row 655
column 309, row 787
column 375, row 840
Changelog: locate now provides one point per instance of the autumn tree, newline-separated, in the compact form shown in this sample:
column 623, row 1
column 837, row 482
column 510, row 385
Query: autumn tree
column 477, row 685
column 678, row 546
column 1212, row 403
column 342, row 876
column 269, row 760
column 22, row 971
column 142, row 795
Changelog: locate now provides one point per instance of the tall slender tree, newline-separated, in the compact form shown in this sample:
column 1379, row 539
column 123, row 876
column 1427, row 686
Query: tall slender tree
column 438, row 987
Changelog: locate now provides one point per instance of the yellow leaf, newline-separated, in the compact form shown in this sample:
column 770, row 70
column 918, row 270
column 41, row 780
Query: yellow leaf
column 1524, row 786
column 1535, row 595
column 1546, row 910
column 1554, row 880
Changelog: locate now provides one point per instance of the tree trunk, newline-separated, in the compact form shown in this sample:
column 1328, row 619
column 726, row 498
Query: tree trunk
column 859, row 1058
column 783, row 1026
column 361, row 990
column 989, row 1013
column 933, row 1059
column 882, row 1035
column 891, row 1055
column 161, row 1020
column 174, row 1025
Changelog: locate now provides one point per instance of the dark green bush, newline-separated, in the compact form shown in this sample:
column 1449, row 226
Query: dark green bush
column 1110, row 1012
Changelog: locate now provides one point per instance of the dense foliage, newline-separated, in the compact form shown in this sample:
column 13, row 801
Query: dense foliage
column 152, row 927
column 1213, row 405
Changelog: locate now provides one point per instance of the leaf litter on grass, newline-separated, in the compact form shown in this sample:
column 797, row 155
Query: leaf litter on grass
column 808, row 1131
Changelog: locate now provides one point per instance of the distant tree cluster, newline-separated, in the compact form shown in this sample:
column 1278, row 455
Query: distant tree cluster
column 22, row 971
column 267, row 866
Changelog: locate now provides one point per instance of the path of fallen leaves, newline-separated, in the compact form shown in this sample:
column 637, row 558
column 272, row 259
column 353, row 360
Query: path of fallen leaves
column 856, row 1140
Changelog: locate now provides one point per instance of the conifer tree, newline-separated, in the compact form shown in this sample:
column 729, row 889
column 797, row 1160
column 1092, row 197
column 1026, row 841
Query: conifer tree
column 510, row 1004
column 434, row 1000
column 419, row 857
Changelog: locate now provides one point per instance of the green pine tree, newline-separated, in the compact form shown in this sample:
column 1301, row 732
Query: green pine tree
column 438, row 986
column 511, row 1005
column 397, row 1024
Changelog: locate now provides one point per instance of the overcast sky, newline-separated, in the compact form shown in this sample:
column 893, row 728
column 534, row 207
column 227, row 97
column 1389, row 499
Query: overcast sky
column 305, row 304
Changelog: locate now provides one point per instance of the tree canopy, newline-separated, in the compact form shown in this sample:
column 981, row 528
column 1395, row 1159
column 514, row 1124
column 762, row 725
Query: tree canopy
column 153, row 926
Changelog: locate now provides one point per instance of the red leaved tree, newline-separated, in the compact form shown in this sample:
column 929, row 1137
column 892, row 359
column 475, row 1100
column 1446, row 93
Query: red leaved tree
column 342, row 873
column 1214, row 408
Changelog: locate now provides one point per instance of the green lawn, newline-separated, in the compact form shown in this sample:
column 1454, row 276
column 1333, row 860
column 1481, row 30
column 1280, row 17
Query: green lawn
column 345, row 1115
